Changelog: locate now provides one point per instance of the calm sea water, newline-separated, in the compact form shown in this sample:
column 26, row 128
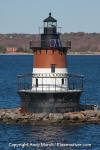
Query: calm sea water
column 13, row 65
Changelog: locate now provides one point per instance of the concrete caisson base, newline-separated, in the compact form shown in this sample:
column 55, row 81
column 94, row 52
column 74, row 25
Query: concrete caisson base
column 50, row 102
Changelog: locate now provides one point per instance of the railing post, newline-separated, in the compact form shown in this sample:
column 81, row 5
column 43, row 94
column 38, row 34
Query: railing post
column 77, row 85
column 68, row 86
column 72, row 85
column 17, row 84
column 42, row 84
column 61, row 85
column 55, row 84
column 49, row 87
column 82, row 84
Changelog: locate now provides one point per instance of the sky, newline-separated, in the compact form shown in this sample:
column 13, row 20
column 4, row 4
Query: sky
column 26, row 16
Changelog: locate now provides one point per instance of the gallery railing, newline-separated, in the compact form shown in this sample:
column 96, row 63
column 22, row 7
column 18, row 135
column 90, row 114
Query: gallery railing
column 51, row 43
column 28, row 82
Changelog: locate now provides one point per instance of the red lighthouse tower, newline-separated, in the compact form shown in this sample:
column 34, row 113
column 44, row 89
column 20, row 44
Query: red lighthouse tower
column 51, row 88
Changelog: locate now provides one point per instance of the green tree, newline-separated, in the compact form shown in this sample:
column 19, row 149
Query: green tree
column 20, row 49
column 2, row 49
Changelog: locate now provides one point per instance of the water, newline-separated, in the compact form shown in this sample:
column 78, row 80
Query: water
column 13, row 65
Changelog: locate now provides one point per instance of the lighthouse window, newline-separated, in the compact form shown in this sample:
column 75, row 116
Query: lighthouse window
column 50, row 24
column 52, row 68
column 62, row 81
column 52, row 43
column 36, row 82
column 60, row 44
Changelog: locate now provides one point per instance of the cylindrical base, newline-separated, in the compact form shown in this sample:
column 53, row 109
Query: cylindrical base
column 49, row 102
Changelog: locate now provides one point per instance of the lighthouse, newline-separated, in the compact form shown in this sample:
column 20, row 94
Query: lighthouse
column 50, row 88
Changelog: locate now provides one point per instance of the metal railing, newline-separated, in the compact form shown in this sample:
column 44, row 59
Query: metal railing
column 51, row 43
column 73, row 82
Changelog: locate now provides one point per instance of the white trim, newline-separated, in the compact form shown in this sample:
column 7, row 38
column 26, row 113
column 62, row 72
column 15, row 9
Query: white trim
column 48, row 70
column 65, row 91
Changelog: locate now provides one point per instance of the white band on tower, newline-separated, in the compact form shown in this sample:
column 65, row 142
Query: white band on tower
column 48, row 70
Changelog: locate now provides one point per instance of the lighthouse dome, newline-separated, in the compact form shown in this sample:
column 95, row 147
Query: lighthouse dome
column 50, row 22
column 50, row 19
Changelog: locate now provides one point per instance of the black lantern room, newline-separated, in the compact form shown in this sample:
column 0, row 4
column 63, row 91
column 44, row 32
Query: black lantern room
column 50, row 39
column 50, row 36
column 50, row 25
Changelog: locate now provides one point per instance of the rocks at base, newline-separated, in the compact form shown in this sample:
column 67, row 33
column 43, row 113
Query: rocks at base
column 15, row 116
column 74, row 116
column 55, row 117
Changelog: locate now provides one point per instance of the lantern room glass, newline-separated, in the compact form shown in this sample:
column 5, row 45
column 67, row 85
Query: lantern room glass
column 50, row 24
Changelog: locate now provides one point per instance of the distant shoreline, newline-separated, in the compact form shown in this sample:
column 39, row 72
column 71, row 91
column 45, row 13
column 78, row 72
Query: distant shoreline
column 69, row 53
column 83, row 53
column 16, row 53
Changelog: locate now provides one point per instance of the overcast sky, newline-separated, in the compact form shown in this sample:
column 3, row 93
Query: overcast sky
column 25, row 16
